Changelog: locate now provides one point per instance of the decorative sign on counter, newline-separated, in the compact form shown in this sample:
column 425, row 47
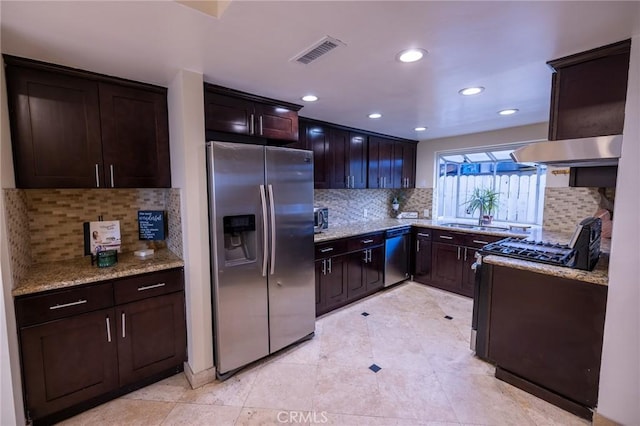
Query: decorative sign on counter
column 152, row 224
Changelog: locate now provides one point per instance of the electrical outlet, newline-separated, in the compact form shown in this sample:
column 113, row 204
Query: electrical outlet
column 365, row 213
column 426, row 213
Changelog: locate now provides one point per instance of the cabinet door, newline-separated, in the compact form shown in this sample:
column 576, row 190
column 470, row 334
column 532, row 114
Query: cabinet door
column 339, row 164
column 318, row 141
column 55, row 129
column 356, row 270
column 320, row 266
column 380, row 162
column 374, row 269
column 446, row 272
column 335, row 282
column 357, row 160
column 151, row 335
column 68, row 361
column 422, row 269
column 275, row 122
column 228, row 114
column 135, row 137
column 468, row 274
column 404, row 157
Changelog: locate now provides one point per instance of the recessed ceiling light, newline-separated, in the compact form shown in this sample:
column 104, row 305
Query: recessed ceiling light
column 375, row 115
column 508, row 111
column 469, row 91
column 411, row 55
column 420, row 129
column 310, row 98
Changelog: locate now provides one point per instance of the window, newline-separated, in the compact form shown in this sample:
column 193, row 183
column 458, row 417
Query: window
column 521, row 185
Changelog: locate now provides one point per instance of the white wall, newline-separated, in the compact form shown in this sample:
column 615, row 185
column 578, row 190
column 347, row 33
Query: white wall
column 188, row 172
column 619, row 397
column 427, row 149
column 11, row 411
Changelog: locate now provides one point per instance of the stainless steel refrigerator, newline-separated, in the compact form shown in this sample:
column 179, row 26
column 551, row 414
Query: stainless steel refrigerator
column 262, row 252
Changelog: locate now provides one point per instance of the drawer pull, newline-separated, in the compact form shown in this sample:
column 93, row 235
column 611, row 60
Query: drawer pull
column 446, row 237
column 108, row 330
column 326, row 250
column 420, row 234
column 124, row 326
column 149, row 287
column 367, row 241
column 480, row 242
column 66, row 305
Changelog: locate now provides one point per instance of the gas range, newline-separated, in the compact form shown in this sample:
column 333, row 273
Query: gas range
column 553, row 254
column 582, row 252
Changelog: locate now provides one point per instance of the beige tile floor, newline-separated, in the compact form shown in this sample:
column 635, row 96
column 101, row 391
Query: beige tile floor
column 428, row 376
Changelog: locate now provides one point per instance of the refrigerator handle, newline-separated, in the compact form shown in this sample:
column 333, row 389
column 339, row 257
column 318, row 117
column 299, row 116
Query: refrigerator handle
column 265, row 231
column 272, row 204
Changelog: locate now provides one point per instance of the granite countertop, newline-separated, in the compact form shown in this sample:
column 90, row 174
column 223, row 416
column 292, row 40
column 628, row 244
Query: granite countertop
column 69, row 273
column 598, row 276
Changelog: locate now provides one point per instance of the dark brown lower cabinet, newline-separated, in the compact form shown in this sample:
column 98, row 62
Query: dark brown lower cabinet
column 88, row 344
column 422, row 260
column 68, row 361
column 545, row 335
column 347, row 270
column 447, row 269
column 365, row 272
column 151, row 336
column 331, row 283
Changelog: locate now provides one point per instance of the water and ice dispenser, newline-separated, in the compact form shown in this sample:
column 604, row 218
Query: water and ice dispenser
column 240, row 239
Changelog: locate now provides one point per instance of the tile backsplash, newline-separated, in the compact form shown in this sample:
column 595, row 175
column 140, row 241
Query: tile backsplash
column 347, row 205
column 45, row 225
column 566, row 207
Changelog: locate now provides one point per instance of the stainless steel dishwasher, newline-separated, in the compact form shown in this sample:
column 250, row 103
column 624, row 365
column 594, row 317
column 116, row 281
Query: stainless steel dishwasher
column 396, row 259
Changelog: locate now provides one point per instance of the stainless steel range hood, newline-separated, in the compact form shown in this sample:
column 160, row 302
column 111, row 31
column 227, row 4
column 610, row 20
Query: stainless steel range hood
column 596, row 151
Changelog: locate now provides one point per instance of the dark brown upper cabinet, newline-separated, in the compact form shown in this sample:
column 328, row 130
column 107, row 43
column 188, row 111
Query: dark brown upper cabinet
column 392, row 163
column 231, row 111
column 75, row 129
column 588, row 92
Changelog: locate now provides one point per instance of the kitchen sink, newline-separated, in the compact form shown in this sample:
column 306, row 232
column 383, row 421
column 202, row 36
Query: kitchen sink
column 478, row 227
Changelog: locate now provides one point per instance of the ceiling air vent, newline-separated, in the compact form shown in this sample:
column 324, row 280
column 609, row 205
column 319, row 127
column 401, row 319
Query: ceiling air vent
column 318, row 49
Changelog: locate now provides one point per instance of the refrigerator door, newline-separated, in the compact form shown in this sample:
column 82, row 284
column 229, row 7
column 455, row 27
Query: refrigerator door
column 240, row 310
column 289, row 179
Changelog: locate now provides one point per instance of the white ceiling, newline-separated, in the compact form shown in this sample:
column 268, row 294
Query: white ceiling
column 502, row 46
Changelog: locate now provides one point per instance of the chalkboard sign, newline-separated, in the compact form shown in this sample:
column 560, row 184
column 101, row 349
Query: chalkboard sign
column 152, row 224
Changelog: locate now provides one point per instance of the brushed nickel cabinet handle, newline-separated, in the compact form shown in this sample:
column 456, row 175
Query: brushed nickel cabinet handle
column 66, row 305
column 480, row 242
column 97, row 176
column 251, row 125
column 420, row 234
column 465, row 254
column 367, row 241
column 111, row 168
column 324, row 267
column 446, row 237
column 260, row 120
column 417, row 245
column 326, row 250
column 149, row 287
column 124, row 325
column 108, row 329
column 458, row 252
column 329, row 265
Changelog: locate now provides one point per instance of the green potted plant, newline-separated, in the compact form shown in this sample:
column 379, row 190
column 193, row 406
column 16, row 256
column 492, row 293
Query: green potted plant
column 484, row 199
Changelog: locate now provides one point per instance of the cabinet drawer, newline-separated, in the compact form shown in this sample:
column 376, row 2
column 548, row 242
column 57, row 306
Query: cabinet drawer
column 478, row 241
column 148, row 285
column 331, row 248
column 365, row 241
column 448, row 237
column 423, row 233
column 60, row 304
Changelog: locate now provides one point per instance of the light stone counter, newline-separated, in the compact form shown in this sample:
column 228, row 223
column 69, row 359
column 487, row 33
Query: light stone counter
column 69, row 273
column 598, row 276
